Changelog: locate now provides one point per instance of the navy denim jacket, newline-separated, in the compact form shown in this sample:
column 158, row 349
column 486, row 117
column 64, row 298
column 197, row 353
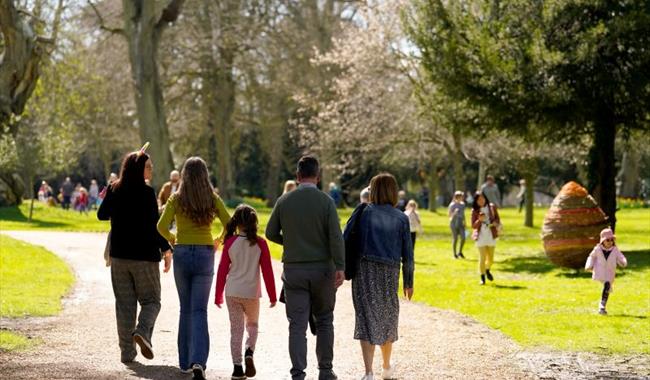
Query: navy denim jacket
column 386, row 238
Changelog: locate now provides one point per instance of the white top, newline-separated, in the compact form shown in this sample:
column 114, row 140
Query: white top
column 414, row 220
column 244, row 275
column 485, row 235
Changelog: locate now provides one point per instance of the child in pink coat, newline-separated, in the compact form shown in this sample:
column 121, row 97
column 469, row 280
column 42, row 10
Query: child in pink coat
column 603, row 261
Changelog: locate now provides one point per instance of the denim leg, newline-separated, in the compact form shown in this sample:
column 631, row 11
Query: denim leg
column 203, row 272
column 454, row 239
column 182, row 277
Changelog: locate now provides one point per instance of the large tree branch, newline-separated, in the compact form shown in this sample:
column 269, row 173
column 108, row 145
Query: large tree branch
column 170, row 13
column 102, row 23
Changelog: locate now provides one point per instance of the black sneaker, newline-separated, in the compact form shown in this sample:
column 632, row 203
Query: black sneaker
column 145, row 346
column 238, row 373
column 482, row 279
column 250, row 364
column 460, row 254
column 198, row 372
column 489, row 275
column 455, row 256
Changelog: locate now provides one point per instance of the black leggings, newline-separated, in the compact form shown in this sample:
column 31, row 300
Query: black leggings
column 603, row 299
column 413, row 238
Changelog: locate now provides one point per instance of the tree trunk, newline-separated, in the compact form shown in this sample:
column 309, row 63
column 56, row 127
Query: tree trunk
column 20, row 63
column 31, row 196
column 481, row 174
column 629, row 173
column 223, row 108
column 433, row 184
column 459, row 176
column 602, row 171
column 143, row 30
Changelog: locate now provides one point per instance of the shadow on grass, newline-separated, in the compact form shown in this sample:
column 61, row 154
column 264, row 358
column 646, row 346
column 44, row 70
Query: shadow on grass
column 627, row 316
column 637, row 260
column 424, row 263
column 13, row 214
column 511, row 287
column 527, row 264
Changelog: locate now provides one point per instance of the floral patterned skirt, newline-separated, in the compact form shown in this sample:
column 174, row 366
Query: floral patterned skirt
column 376, row 303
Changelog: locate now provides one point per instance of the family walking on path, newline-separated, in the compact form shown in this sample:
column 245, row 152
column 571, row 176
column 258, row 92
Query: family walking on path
column 376, row 243
column 304, row 221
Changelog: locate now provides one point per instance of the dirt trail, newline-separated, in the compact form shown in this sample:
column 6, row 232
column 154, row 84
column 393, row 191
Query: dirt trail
column 81, row 343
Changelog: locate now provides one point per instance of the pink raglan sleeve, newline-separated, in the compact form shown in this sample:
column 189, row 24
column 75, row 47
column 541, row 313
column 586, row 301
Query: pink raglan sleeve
column 222, row 273
column 620, row 259
column 267, row 269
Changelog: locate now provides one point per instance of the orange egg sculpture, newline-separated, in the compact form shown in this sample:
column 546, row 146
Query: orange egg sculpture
column 572, row 226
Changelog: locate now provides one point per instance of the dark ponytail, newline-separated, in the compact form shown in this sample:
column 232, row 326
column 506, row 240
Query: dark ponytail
column 245, row 217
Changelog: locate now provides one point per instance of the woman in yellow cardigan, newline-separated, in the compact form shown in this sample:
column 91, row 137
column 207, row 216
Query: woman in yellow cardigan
column 195, row 206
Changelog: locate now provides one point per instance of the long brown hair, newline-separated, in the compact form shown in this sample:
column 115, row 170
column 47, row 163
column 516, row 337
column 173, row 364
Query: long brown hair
column 131, row 171
column 196, row 197
column 245, row 217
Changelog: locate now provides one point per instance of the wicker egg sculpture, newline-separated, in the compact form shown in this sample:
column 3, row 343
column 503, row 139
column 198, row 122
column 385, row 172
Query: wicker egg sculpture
column 572, row 226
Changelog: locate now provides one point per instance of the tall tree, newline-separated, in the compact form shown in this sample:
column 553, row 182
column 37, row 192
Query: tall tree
column 144, row 23
column 566, row 68
column 23, row 52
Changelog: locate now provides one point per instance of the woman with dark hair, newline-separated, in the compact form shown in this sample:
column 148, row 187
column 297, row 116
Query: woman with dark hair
column 195, row 206
column 485, row 225
column 135, row 251
column 384, row 240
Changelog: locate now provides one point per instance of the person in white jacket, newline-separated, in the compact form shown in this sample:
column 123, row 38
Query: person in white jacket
column 602, row 261
column 414, row 220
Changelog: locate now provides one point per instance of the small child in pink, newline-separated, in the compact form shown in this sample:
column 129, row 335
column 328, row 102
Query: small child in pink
column 602, row 261
column 244, row 253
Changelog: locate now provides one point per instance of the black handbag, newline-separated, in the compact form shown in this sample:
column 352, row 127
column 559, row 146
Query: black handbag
column 353, row 242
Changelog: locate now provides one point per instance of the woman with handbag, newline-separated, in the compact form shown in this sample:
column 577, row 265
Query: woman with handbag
column 380, row 236
column 486, row 225
column 135, row 253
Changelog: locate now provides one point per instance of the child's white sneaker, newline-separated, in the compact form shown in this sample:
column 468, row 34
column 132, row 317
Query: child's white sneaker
column 368, row 377
column 387, row 373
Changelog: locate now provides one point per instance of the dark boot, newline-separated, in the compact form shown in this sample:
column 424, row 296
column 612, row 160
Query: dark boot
column 238, row 373
column 482, row 279
column 250, row 363
column 460, row 254
column 489, row 275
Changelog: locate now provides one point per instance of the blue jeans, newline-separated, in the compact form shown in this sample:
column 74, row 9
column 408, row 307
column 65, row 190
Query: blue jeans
column 193, row 272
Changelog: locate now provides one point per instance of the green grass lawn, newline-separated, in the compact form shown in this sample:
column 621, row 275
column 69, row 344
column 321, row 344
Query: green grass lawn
column 49, row 218
column 32, row 282
column 530, row 300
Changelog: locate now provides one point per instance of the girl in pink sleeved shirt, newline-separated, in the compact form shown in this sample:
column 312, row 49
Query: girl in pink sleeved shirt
column 243, row 255
column 603, row 261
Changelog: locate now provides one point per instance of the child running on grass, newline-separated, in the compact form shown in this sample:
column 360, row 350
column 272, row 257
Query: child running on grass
column 244, row 253
column 602, row 261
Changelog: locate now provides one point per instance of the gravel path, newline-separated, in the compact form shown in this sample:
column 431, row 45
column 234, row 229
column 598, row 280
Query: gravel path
column 81, row 343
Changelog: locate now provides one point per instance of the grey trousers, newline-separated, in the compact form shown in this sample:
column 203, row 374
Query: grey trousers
column 310, row 290
column 134, row 282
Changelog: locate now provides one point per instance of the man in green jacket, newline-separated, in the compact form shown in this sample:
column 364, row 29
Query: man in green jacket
column 305, row 223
